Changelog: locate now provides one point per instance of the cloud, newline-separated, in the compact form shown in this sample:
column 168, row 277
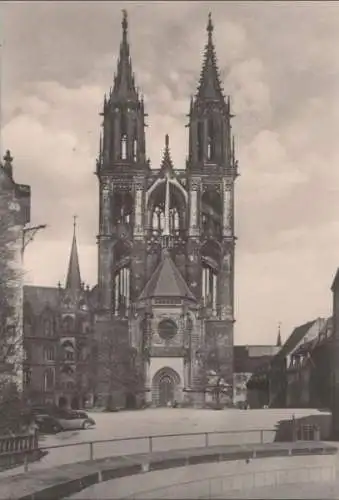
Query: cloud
column 59, row 59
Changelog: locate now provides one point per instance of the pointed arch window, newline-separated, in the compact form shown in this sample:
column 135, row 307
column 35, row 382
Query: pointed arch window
column 209, row 287
column 200, row 141
column 121, row 291
column 210, row 139
column 135, row 142
column 124, row 147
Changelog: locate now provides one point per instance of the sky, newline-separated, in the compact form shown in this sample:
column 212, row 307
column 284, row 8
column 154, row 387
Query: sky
column 279, row 62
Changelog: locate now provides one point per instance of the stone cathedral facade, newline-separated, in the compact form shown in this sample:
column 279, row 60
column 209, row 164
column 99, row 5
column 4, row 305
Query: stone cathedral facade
column 166, row 245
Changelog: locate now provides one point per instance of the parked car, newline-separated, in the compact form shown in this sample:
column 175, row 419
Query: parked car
column 71, row 419
column 47, row 424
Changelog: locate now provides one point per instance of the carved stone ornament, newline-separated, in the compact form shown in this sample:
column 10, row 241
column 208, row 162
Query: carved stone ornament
column 195, row 184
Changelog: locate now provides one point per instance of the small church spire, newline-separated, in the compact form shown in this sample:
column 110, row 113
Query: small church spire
column 73, row 280
column 279, row 343
column 166, row 162
column 209, row 87
column 124, row 85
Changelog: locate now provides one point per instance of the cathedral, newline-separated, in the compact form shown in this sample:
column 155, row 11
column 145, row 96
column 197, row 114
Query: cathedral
column 162, row 313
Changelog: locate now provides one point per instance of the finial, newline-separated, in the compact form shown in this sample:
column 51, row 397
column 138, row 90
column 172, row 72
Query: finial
column 74, row 222
column 8, row 167
column 210, row 26
column 8, row 157
column 124, row 23
column 166, row 141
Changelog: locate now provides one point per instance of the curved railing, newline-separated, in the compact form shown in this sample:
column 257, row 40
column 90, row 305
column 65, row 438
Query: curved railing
column 103, row 448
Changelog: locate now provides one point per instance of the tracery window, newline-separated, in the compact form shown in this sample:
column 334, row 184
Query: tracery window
column 209, row 287
column 121, row 291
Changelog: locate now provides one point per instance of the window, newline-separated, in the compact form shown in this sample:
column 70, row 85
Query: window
column 209, row 287
column 67, row 323
column 210, row 140
column 69, row 355
column 124, row 147
column 48, row 379
column 49, row 354
column 135, row 149
column 121, row 291
column 48, row 327
column 200, row 141
column 167, row 329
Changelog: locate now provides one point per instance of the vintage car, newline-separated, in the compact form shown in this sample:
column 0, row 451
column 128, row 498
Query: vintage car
column 74, row 419
column 47, row 424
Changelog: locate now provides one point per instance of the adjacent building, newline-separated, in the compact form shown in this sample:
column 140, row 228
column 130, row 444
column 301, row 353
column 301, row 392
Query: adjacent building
column 291, row 378
column 15, row 202
column 58, row 334
column 247, row 360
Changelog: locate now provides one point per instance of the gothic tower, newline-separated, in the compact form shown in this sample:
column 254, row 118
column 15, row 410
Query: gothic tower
column 211, row 173
column 166, row 240
column 121, row 170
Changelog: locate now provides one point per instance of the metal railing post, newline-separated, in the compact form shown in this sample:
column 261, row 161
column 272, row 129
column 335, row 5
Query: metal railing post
column 91, row 454
column 206, row 440
column 150, row 444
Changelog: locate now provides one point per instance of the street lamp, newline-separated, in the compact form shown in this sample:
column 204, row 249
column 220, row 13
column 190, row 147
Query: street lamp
column 28, row 234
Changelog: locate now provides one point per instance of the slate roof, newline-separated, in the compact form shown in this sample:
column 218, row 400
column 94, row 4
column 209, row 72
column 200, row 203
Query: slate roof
column 293, row 340
column 166, row 281
column 40, row 297
column 244, row 363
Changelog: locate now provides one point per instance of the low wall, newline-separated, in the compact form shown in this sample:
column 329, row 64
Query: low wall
column 218, row 480
column 66, row 480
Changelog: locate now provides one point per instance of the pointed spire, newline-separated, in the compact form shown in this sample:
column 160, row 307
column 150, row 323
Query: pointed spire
column 166, row 162
column 73, row 280
column 279, row 343
column 209, row 87
column 124, row 85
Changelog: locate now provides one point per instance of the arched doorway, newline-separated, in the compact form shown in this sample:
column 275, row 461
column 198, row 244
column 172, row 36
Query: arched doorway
column 165, row 389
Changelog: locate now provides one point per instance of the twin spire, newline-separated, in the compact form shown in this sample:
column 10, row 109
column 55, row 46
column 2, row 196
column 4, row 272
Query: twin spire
column 209, row 87
column 124, row 82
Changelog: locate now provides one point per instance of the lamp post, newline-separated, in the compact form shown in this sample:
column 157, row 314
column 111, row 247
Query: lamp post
column 28, row 234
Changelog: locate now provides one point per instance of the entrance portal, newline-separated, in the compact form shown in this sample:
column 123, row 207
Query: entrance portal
column 165, row 387
column 166, row 390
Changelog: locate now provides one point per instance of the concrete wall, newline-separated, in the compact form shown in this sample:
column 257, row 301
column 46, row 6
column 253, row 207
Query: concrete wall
column 212, row 480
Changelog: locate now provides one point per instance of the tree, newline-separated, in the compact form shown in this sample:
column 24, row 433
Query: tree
column 213, row 368
column 120, row 368
column 10, row 331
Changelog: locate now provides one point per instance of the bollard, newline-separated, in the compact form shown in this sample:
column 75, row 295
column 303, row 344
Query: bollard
column 206, row 440
column 91, row 454
column 150, row 444
column 26, row 462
